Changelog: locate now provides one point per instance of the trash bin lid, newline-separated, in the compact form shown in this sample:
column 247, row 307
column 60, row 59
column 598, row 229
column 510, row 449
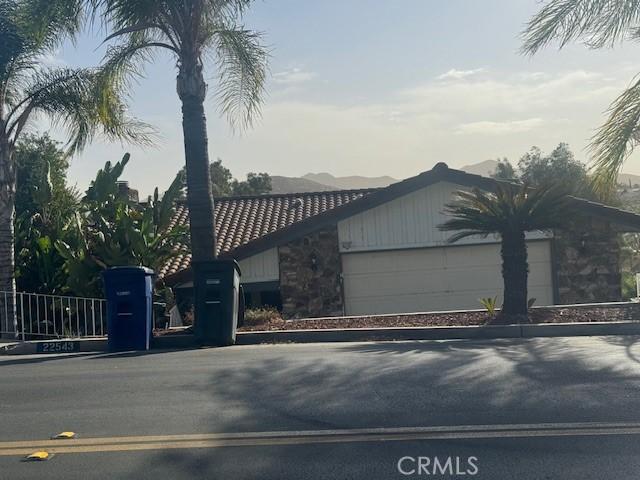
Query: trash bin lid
column 129, row 269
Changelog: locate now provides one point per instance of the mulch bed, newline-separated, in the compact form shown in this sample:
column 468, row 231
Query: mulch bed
column 605, row 313
column 612, row 313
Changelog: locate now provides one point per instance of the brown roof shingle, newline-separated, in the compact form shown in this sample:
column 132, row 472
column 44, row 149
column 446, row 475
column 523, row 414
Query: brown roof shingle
column 240, row 220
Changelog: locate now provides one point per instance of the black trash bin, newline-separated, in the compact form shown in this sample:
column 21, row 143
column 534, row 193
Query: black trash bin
column 216, row 287
column 129, row 292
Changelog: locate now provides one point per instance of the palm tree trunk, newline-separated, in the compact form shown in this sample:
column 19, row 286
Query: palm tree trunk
column 8, row 324
column 192, row 91
column 514, row 273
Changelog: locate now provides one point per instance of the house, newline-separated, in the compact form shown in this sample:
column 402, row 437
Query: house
column 355, row 252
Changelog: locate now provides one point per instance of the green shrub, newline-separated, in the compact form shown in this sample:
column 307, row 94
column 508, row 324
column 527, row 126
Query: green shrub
column 628, row 285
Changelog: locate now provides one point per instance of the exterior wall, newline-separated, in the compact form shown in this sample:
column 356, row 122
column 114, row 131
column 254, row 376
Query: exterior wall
column 311, row 288
column 259, row 268
column 262, row 267
column 587, row 263
column 410, row 221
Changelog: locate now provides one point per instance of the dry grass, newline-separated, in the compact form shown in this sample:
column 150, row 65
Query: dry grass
column 261, row 316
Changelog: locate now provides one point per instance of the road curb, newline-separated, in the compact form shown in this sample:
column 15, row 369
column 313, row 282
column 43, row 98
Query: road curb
column 482, row 332
column 32, row 346
column 580, row 329
column 440, row 333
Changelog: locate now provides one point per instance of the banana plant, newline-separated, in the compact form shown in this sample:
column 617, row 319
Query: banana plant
column 114, row 231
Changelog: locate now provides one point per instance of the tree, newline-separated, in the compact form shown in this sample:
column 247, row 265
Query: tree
column 45, row 206
column 224, row 185
column 504, row 170
column 559, row 167
column 509, row 212
column 83, row 101
column 221, row 179
column 38, row 158
column 597, row 23
column 255, row 184
column 190, row 30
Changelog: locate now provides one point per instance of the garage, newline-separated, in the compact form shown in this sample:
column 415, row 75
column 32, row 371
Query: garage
column 438, row 278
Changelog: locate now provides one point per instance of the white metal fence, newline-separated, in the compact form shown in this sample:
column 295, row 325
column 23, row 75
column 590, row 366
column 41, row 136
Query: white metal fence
column 33, row 316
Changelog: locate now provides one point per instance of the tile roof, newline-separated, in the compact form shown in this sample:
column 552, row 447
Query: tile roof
column 240, row 220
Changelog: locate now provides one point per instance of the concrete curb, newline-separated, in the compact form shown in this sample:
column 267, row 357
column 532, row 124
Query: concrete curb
column 98, row 344
column 440, row 333
column 79, row 345
column 580, row 329
column 360, row 335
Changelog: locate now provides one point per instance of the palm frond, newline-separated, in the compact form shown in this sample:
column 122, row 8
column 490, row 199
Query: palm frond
column 597, row 22
column 512, row 208
column 48, row 23
column 242, row 63
column 81, row 101
column 616, row 138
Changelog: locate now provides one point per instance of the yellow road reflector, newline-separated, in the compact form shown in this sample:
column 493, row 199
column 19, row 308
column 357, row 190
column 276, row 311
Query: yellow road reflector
column 38, row 456
column 64, row 436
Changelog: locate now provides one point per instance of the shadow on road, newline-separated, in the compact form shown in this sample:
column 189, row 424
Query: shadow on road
column 415, row 384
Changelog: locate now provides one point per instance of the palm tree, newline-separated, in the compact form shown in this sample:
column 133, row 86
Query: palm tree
column 598, row 24
column 191, row 30
column 84, row 102
column 509, row 212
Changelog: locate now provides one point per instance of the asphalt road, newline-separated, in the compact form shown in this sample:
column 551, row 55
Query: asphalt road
column 324, row 399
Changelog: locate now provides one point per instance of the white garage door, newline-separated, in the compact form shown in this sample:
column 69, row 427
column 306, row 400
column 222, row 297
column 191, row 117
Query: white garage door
column 431, row 279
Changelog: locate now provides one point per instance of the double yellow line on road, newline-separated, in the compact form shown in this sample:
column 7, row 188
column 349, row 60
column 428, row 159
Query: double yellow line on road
column 217, row 440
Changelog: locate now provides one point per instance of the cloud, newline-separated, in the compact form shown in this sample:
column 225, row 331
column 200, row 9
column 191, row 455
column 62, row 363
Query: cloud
column 402, row 132
column 499, row 128
column 454, row 74
column 293, row 76
column 407, row 131
column 52, row 59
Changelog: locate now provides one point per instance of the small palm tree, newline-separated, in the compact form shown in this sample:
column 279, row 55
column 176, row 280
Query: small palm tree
column 192, row 31
column 509, row 212
column 84, row 102
column 597, row 23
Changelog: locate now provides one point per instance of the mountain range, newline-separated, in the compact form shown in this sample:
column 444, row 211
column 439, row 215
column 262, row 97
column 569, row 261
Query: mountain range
column 321, row 182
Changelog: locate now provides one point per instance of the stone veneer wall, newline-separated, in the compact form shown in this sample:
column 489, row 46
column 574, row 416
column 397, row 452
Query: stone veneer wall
column 587, row 262
column 308, row 289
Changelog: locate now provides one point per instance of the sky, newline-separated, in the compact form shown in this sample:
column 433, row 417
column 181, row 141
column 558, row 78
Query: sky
column 379, row 87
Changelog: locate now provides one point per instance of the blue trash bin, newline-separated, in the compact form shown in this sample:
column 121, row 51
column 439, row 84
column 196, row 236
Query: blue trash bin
column 129, row 292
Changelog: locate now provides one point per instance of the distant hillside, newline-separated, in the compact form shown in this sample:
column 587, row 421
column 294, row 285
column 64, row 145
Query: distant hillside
column 321, row 182
column 355, row 181
column 485, row 168
column 281, row 184
column 625, row 178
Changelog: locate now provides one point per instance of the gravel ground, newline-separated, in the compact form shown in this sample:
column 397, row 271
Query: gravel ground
column 610, row 313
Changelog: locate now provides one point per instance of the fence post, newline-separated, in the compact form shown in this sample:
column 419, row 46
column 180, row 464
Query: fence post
column 8, row 316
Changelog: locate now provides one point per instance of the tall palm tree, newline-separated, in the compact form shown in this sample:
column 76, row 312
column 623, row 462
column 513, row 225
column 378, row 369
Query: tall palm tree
column 598, row 24
column 509, row 212
column 83, row 102
column 192, row 31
